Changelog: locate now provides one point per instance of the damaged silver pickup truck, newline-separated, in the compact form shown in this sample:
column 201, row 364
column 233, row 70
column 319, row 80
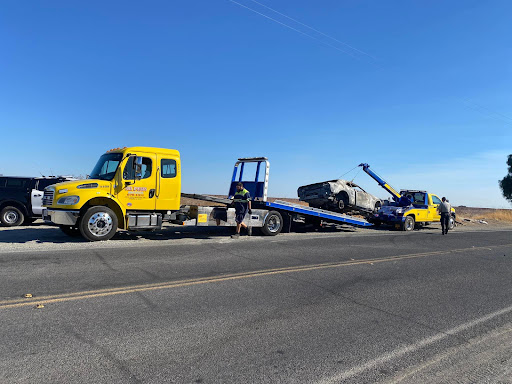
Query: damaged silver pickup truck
column 340, row 196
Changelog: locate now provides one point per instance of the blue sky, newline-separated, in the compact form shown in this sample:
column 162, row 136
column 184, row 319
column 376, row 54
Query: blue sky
column 423, row 95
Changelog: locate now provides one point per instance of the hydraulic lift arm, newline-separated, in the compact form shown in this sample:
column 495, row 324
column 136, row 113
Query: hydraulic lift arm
column 382, row 183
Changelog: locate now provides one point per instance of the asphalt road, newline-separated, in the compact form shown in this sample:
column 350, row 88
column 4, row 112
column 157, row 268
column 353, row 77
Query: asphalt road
column 309, row 308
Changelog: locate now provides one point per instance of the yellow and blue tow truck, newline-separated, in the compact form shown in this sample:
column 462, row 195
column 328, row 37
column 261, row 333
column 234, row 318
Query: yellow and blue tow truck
column 409, row 208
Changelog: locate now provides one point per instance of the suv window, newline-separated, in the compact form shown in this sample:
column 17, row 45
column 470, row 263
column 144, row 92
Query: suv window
column 17, row 183
column 43, row 183
column 435, row 200
column 168, row 168
column 129, row 172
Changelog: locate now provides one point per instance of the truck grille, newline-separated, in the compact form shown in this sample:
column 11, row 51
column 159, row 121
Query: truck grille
column 48, row 197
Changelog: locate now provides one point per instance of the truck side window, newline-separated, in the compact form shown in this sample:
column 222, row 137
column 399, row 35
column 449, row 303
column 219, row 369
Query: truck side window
column 43, row 183
column 128, row 172
column 435, row 200
column 168, row 167
column 16, row 183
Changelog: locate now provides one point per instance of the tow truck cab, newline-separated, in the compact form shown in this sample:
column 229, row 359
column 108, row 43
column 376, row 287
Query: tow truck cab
column 129, row 188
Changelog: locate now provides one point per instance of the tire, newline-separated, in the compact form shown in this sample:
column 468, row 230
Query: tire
column 451, row 223
column 98, row 223
column 408, row 224
column 11, row 216
column 69, row 230
column 273, row 224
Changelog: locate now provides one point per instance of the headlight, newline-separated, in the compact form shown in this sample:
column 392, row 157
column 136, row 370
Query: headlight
column 63, row 191
column 68, row 200
column 399, row 211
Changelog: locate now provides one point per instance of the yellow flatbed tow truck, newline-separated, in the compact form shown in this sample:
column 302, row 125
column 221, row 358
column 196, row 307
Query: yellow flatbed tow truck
column 138, row 188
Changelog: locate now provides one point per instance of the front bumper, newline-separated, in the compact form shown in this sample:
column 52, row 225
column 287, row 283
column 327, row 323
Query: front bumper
column 60, row 217
column 388, row 218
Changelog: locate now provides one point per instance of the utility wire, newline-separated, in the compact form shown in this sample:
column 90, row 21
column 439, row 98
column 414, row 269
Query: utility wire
column 296, row 30
column 486, row 111
column 315, row 30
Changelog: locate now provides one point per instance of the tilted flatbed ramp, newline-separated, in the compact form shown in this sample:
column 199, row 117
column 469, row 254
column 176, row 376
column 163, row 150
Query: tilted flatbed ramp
column 316, row 212
column 213, row 199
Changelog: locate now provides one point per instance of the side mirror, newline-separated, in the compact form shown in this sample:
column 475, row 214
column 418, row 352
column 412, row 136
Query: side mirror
column 137, row 165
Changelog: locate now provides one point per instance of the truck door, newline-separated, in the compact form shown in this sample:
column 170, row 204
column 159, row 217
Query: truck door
column 36, row 198
column 169, row 183
column 137, row 195
column 433, row 203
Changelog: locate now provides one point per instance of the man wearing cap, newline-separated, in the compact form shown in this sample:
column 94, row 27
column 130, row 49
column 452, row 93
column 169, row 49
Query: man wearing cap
column 242, row 201
column 445, row 210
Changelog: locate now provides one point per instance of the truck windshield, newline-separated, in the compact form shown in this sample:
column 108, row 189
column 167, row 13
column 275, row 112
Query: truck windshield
column 106, row 166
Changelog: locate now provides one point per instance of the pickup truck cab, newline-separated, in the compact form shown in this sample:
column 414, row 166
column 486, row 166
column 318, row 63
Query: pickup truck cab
column 420, row 209
column 21, row 198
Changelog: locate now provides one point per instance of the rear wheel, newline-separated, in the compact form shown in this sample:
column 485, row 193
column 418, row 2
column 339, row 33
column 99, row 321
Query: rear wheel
column 11, row 216
column 273, row 224
column 408, row 224
column 98, row 223
column 70, row 230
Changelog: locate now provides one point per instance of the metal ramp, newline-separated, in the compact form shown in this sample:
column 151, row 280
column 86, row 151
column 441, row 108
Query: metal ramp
column 316, row 212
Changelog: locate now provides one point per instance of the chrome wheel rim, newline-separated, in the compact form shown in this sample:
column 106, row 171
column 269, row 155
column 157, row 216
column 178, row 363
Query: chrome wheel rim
column 11, row 217
column 274, row 223
column 100, row 224
column 409, row 225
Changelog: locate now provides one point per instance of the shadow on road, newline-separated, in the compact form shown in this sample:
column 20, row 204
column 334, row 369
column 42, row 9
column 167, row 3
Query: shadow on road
column 41, row 233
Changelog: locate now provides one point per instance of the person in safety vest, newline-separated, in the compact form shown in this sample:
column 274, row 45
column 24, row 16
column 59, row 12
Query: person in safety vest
column 242, row 201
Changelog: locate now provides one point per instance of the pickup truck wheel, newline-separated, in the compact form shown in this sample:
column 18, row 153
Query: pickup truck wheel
column 98, row 223
column 408, row 224
column 11, row 216
column 273, row 224
column 451, row 223
column 70, row 230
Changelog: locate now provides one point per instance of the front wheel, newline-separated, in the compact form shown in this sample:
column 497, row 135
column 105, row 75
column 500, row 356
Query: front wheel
column 273, row 224
column 11, row 216
column 408, row 224
column 451, row 223
column 98, row 223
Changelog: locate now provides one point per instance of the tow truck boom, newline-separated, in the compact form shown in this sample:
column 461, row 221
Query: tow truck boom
column 366, row 167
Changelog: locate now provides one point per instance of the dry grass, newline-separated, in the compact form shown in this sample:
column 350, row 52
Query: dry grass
column 503, row 215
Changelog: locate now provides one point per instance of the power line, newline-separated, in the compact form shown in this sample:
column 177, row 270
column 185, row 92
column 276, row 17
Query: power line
column 295, row 29
column 316, row 30
column 487, row 112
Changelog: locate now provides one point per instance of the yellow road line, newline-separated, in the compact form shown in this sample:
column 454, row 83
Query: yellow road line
column 15, row 303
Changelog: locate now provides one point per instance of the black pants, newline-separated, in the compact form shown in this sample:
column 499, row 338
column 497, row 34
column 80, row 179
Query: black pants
column 445, row 221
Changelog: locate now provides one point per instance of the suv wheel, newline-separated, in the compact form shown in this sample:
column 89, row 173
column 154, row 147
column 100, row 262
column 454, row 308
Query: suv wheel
column 11, row 216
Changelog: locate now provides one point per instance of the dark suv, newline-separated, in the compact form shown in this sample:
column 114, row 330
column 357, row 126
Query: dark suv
column 21, row 198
